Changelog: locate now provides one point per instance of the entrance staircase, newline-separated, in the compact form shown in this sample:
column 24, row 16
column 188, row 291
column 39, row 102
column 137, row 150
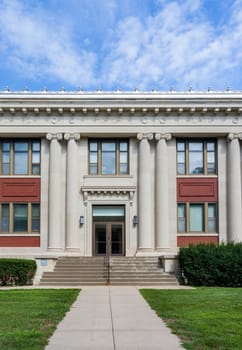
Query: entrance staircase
column 78, row 271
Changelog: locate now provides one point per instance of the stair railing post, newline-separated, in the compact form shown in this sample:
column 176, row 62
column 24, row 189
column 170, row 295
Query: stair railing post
column 108, row 248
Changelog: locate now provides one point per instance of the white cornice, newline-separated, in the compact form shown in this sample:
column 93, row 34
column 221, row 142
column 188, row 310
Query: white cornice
column 112, row 96
column 49, row 103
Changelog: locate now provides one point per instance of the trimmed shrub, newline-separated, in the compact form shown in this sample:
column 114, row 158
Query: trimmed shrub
column 17, row 271
column 211, row 265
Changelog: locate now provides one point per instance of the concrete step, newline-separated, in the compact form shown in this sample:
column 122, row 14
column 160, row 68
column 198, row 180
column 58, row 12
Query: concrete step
column 70, row 280
column 92, row 271
column 142, row 283
column 67, row 283
column 89, row 275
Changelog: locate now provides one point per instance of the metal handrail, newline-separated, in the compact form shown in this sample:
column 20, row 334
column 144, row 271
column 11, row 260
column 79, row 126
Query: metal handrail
column 107, row 261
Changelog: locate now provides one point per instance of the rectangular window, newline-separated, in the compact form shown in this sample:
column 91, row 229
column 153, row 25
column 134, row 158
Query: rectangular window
column 5, row 218
column 196, row 157
column 93, row 158
column 20, row 157
column 181, row 217
column 35, row 218
column 212, row 217
column 35, row 157
column 6, row 158
column 197, row 217
column 20, row 217
column 181, row 158
column 124, row 157
column 108, row 157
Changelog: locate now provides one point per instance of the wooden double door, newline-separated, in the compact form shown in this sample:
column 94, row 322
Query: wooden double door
column 108, row 238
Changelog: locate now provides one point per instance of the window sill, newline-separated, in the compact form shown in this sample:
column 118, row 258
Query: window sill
column 20, row 176
column 197, row 175
column 19, row 234
column 108, row 176
column 203, row 234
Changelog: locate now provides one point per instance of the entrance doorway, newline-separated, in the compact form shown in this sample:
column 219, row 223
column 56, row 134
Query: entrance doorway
column 109, row 238
column 108, row 230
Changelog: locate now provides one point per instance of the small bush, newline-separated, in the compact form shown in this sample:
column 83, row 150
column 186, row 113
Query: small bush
column 16, row 271
column 211, row 265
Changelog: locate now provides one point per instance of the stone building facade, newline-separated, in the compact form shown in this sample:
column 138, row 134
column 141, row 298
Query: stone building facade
column 86, row 174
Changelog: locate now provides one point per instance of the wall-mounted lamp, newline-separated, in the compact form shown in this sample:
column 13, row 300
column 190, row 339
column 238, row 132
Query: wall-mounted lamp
column 135, row 220
column 81, row 220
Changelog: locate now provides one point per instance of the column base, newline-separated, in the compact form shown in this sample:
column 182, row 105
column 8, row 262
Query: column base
column 72, row 250
column 146, row 252
column 163, row 249
column 56, row 250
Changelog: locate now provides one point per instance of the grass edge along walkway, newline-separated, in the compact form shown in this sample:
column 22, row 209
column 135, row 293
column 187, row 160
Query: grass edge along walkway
column 30, row 316
column 203, row 318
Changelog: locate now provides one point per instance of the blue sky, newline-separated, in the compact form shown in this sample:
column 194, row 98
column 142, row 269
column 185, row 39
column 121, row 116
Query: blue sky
column 124, row 44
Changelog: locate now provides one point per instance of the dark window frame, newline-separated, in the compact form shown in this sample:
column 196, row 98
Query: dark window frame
column 186, row 155
column 206, row 217
column 8, row 167
column 96, row 168
column 12, row 216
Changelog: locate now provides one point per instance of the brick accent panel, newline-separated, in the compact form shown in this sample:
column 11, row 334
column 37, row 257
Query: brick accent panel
column 184, row 241
column 19, row 190
column 21, row 241
column 197, row 189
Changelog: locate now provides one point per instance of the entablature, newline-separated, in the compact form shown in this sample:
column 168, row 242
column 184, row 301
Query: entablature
column 119, row 103
column 128, row 191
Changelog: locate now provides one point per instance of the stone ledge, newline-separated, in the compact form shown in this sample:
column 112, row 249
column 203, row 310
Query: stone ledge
column 169, row 263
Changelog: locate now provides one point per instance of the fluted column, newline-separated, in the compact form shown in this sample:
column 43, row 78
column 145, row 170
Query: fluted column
column 234, row 189
column 72, row 192
column 162, row 193
column 145, row 234
column 55, row 241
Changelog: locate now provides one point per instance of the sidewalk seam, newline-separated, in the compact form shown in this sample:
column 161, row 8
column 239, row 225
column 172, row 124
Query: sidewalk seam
column 111, row 316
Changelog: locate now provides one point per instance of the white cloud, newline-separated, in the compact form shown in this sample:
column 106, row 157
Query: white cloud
column 175, row 46
column 97, row 44
column 38, row 45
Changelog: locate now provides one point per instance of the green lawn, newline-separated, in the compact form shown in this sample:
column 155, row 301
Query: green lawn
column 29, row 317
column 204, row 319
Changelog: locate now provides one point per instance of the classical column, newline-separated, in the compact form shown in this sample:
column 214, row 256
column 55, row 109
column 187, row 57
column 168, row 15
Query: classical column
column 162, row 193
column 145, row 233
column 72, row 193
column 234, row 189
column 55, row 241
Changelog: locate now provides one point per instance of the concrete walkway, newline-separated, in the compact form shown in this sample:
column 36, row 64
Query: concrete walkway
column 112, row 318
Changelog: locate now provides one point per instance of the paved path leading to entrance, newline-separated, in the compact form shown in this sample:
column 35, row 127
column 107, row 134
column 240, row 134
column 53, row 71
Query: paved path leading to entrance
column 112, row 318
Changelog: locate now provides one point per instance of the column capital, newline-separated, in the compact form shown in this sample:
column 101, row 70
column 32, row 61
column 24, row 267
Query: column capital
column 57, row 136
column 165, row 136
column 148, row 136
column 75, row 136
column 232, row 136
